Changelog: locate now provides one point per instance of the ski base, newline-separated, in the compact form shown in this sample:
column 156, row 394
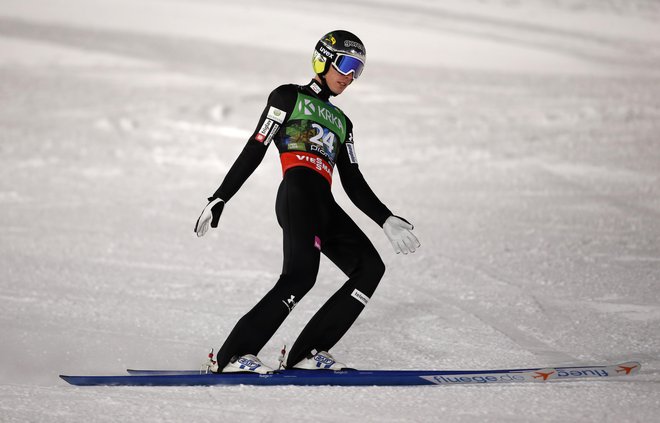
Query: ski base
column 354, row 377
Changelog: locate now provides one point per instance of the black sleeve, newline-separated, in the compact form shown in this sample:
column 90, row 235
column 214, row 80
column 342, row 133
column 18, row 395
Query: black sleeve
column 355, row 185
column 279, row 106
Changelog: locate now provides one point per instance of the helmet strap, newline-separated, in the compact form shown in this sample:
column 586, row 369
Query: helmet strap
column 325, row 87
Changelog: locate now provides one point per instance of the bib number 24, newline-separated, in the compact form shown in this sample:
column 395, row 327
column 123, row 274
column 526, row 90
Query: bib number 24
column 322, row 138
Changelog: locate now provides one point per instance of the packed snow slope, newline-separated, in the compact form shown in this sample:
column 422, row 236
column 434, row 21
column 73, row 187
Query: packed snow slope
column 522, row 139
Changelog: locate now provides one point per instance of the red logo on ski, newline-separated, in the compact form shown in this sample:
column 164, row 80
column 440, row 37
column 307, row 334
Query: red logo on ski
column 627, row 369
column 543, row 375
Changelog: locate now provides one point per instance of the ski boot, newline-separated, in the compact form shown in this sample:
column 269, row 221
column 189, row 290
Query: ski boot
column 320, row 360
column 247, row 363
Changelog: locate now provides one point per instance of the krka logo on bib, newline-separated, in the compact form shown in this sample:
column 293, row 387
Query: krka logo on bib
column 315, row 126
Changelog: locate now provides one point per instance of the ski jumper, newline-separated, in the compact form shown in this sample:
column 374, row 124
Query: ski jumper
column 311, row 135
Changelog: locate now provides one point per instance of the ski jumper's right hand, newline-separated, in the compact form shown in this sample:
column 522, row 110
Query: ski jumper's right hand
column 210, row 215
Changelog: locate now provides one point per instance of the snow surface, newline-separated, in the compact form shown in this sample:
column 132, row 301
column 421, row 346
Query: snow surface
column 522, row 139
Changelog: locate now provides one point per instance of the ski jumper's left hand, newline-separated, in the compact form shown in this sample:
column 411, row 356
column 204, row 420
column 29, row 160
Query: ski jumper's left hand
column 398, row 231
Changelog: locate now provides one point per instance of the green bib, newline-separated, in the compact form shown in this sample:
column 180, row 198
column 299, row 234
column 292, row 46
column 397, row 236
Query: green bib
column 326, row 115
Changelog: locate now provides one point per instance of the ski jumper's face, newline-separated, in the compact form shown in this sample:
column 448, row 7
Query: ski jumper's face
column 336, row 81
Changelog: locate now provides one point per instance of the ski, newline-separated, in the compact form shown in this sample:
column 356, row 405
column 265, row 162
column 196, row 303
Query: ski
column 143, row 372
column 357, row 377
column 577, row 370
column 310, row 378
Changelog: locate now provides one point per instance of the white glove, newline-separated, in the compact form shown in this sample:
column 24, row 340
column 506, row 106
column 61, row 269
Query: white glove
column 210, row 215
column 397, row 230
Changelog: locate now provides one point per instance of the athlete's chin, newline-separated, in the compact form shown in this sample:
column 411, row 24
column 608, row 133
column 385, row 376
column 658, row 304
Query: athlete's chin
column 339, row 88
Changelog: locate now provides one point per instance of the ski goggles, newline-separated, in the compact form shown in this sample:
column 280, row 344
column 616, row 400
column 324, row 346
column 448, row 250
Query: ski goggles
column 345, row 64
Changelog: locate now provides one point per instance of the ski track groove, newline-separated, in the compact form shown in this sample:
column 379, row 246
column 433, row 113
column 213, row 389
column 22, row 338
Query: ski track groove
column 525, row 340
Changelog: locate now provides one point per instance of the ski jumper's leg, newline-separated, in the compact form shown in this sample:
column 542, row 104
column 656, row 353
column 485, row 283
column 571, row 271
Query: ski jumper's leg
column 302, row 214
column 350, row 249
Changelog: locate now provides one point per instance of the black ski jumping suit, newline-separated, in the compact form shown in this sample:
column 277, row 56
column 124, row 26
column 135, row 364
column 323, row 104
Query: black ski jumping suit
column 312, row 135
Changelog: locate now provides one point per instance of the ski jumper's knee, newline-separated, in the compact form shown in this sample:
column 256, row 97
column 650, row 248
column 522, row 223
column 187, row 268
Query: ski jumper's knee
column 369, row 271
